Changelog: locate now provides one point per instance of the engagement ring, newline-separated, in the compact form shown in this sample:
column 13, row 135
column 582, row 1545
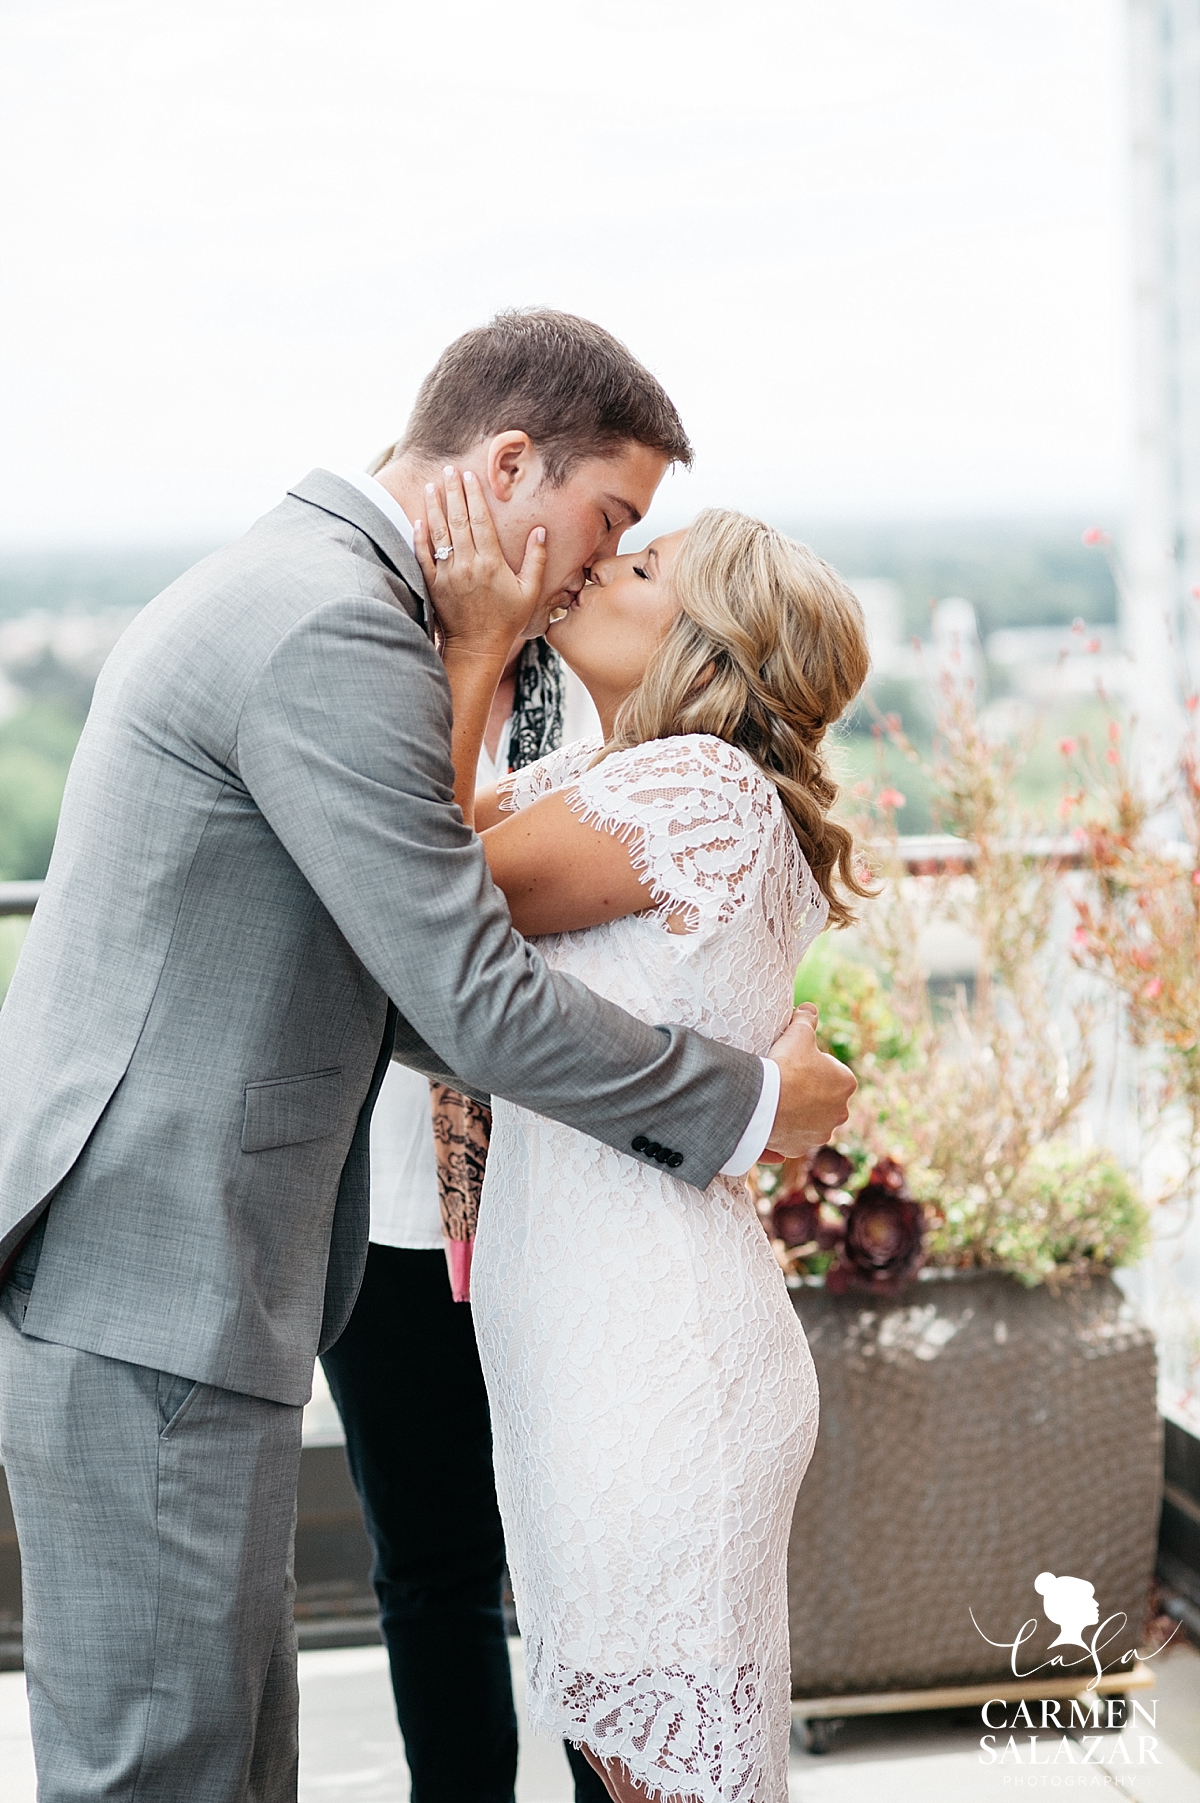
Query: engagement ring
column 442, row 553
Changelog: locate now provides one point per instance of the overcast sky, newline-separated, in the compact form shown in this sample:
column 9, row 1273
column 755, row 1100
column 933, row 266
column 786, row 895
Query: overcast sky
column 874, row 248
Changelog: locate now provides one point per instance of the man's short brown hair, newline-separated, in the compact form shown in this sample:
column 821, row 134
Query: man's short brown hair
column 568, row 383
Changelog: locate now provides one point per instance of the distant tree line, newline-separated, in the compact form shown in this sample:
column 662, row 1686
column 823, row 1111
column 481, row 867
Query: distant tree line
column 1015, row 573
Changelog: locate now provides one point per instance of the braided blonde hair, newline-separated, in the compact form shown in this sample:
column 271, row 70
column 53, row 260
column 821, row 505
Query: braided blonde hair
column 768, row 648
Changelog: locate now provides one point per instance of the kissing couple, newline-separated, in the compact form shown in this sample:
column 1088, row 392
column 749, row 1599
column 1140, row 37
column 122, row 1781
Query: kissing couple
column 272, row 877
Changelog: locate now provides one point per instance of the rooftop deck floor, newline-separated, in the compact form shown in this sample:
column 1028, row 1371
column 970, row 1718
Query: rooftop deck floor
column 350, row 1749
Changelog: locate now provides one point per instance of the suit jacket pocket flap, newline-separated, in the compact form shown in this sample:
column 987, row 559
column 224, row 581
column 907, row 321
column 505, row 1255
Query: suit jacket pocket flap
column 287, row 1111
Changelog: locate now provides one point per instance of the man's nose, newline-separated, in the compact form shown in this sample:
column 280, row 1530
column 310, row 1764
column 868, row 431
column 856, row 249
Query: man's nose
column 609, row 543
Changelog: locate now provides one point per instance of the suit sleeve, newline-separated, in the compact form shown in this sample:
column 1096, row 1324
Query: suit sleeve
column 410, row 1049
column 343, row 743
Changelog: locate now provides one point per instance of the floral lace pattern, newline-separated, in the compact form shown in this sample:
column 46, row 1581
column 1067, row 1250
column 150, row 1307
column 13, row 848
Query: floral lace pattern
column 521, row 787
column 653, row 1400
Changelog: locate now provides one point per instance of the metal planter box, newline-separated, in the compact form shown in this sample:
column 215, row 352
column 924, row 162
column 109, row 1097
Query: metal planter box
column 973, row 1434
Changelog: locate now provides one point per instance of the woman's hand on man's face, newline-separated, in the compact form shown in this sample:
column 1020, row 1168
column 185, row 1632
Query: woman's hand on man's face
column 481, row 603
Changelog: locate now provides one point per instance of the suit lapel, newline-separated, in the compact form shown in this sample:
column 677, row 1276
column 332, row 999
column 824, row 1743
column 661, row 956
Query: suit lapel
column 321, row 488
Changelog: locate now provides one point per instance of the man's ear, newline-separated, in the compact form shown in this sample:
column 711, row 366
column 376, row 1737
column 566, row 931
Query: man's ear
column 512, row 464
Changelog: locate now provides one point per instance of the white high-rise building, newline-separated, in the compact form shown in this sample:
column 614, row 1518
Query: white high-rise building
column 1161, row 620
column 1161, row 624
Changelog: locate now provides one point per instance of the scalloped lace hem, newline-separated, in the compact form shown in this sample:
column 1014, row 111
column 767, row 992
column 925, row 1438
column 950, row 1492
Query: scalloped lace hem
column 684, row 1737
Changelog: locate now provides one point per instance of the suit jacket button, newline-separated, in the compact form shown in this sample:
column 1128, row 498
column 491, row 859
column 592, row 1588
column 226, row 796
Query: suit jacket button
column 641, row 1143
column 676, row 1160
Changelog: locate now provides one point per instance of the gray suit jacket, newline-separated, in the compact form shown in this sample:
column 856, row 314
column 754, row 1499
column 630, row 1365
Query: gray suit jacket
column 258, row 847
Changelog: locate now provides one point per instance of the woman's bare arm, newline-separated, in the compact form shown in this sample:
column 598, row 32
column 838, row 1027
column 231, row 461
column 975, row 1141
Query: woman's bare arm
column 560, row 875
column 473, row 675
column 487, row 808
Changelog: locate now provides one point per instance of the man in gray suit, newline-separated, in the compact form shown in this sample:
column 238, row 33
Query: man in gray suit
column 260, row 891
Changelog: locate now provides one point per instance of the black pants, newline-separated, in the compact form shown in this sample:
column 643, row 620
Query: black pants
column 406, row 1379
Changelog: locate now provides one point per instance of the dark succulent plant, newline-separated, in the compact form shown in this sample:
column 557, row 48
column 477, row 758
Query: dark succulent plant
column 808, row 1212
column 794, row 1219
column 797, row 1221
column 829, row 1169
column 884, row 1245
column 889, row 1175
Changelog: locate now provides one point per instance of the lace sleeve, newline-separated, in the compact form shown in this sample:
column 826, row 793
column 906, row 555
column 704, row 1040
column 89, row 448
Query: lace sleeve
column 698, row 814
column 522, row 787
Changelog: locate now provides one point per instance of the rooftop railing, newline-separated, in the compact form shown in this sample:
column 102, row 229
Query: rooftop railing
column 19, row 898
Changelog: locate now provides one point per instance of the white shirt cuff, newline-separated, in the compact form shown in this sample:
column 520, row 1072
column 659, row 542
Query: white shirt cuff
column 756, row 1138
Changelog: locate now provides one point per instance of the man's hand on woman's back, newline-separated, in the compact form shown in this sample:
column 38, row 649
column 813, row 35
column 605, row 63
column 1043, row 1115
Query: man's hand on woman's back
column 814, row 1092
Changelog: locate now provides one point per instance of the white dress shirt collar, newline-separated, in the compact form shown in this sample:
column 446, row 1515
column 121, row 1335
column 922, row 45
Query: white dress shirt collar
column 379, row 497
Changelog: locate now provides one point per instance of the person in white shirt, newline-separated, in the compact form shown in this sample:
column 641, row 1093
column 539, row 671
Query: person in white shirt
column 405, row 1202
column 406, row 1378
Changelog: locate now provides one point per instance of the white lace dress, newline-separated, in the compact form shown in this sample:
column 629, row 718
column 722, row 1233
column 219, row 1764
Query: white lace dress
column 654, row 1404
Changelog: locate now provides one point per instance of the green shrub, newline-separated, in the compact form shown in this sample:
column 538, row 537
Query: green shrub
column 36, row 747
column 1067, row 1212
column 856, row 1021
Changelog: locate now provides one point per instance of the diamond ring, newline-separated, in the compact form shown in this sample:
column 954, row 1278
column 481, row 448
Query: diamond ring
column 442, row 553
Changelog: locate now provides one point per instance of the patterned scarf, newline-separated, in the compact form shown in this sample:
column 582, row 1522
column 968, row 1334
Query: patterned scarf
column 537, row 716
column 462, row 1128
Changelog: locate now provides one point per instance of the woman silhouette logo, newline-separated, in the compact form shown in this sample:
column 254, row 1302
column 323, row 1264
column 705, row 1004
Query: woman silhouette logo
column 1070, row 1603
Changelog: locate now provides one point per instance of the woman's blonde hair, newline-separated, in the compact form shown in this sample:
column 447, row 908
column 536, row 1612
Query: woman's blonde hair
column 768, row 648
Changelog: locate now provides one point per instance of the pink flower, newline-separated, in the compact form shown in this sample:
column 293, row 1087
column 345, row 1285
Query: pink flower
column 890, row 798
column 1153, row 988
column 1092, row 645
column 1095, row 535
column 1196, row 878
column 1112, row 755
column 1067, row 747
column 1079, row 937
column 1191, row 703
column 1114, row 730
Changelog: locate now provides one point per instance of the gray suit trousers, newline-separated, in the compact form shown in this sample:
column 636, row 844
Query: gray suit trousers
column 155, row 1518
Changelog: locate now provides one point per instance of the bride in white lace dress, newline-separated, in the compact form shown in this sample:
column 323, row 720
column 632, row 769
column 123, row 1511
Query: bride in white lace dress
column 653, row 1400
